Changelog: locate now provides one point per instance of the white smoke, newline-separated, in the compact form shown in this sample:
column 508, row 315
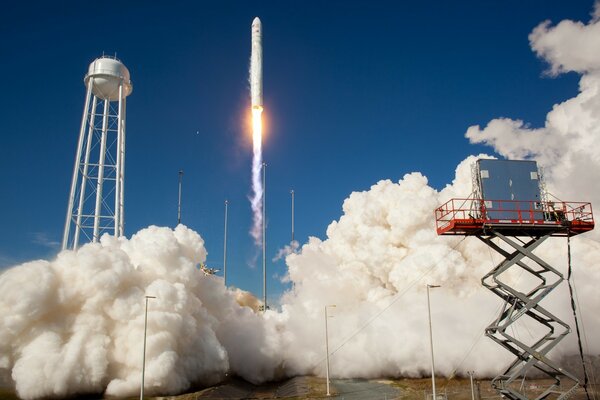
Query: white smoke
column 374, row 266
column 286, row 250
column 75, row 324
column 257, row 187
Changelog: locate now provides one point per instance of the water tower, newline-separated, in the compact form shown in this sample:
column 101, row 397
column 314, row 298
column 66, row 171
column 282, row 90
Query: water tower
column 510, row 212
column 96, row 196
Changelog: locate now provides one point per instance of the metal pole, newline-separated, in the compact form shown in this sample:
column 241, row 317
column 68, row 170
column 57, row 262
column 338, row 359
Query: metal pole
column 225, row 247
column 118, row 175
column 471, row 373
column 144, row 352
column 431, row 342
column 292, row 193
column 118, row 162
column 264, row 245
column 84, row 174
column 122, row 155
column 327, row 349
column 98, row 212
column 86, row 107
column 179, row 202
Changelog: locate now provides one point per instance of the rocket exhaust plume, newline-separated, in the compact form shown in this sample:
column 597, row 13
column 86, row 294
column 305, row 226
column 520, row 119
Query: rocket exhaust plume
column 256, row 99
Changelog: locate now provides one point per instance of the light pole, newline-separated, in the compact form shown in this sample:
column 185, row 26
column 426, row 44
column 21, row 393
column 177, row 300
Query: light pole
column 225, row 247
column 179, row 202
column 292, row 193
column 327, row 348
column 431, row 341
column 144, row 352
column 264, row 236
column 471, row 373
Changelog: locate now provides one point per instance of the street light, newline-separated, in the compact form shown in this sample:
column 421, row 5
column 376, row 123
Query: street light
column 225, row 247
column 264, row 235
column 144, row 352
column 431, row 341
column 471, row 373
column 179, row 201
column 327, row 347
column 292, row 193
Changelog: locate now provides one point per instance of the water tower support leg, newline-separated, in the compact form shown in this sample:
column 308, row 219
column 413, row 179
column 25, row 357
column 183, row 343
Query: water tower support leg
column 84, row 176
column 88, row 96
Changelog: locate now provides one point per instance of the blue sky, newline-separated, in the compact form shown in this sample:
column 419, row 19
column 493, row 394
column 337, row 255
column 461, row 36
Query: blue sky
column 354, row 92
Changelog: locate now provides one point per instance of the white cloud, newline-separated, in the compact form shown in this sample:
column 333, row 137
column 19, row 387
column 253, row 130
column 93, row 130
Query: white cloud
column 568, row 46
column 42, row 239
column 567, row 145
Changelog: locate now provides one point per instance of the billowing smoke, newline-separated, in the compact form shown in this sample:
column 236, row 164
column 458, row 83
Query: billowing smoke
column 374, row 266
column 75, row 324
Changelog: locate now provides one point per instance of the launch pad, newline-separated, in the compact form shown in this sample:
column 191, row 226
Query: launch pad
column 515, row 228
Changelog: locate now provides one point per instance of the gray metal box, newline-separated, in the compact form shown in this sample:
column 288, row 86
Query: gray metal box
column 510, row 188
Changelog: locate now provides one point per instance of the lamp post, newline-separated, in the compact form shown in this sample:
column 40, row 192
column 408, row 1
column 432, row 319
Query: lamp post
column 225, row 247
column 179, row 201
column 264, row 236
column 144, row 352
column 471, row 373
column 292, row 193
column 431, row 341
column 327, row 348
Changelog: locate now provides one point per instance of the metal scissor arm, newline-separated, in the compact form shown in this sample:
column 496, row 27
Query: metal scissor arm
column 517, row 304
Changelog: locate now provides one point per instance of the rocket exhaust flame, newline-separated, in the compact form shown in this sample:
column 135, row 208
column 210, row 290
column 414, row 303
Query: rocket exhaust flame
column 256, row 99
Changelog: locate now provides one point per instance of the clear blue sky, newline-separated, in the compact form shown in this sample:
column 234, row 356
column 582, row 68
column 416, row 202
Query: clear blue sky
column 354, row 92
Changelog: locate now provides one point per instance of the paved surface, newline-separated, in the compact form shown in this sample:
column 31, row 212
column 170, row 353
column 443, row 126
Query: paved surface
column 297, row 387
column 360, row 389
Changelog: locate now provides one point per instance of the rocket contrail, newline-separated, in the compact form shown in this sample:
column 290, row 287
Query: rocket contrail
column 256, row 99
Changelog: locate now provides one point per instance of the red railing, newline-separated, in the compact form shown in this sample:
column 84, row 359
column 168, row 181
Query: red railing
column 467, row 216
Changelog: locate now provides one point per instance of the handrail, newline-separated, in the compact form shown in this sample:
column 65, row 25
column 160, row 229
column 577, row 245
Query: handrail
column 480, row 211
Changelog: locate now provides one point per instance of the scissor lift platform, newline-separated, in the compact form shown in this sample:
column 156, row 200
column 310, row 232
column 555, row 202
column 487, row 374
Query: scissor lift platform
column 520, row 227
column 472, row 217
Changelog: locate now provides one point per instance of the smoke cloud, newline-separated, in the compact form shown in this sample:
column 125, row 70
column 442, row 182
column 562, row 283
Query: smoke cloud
column 75, row 324
column 374, row 266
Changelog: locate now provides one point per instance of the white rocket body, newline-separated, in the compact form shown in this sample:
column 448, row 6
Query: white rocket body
column 256, row 65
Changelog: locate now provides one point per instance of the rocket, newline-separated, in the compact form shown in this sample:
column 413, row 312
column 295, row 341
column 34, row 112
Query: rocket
column 256, row 65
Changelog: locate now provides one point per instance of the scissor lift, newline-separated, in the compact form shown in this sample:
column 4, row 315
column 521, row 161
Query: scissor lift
column 522, row 226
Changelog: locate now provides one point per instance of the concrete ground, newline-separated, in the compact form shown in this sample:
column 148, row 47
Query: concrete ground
column 362, row 389
column 311, row 387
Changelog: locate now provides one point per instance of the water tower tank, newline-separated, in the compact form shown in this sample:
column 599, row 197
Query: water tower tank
column 108, row 73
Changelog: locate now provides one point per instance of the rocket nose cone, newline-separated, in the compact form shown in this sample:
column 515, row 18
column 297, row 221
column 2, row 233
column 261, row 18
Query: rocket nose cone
column 256, row 22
